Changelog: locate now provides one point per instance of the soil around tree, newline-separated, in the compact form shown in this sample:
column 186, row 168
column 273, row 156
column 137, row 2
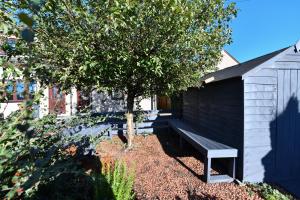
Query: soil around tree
column 164, row 171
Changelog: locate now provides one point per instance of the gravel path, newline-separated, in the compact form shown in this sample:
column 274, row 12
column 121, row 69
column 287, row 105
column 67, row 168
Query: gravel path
column 165, row 172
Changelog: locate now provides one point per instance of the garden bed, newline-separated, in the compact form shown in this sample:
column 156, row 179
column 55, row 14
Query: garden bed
column 163, row 171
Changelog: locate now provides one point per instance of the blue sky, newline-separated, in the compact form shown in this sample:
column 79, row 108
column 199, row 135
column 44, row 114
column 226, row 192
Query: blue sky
column 263, row 26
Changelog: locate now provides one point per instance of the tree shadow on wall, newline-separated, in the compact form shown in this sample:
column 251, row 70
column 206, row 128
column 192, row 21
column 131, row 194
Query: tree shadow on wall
column 282, row 163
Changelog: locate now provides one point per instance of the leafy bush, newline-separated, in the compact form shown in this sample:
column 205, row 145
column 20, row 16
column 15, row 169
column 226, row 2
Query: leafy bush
column 34, row 155
column 270, row 193
column 114, row 182
column 38, row 161
column 20, row 147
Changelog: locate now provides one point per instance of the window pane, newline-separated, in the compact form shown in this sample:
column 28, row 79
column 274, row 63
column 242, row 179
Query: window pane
column 9, row 90
column 57, row 93
column 11, row 42
column 32, row 89
column 20, row 90
column 54, row 91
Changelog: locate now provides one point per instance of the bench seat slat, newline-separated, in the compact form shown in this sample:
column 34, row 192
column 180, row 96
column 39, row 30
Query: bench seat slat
column 210, row 147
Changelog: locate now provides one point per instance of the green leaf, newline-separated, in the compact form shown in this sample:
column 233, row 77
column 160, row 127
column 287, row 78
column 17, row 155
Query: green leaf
column 36, row 1
column 5, row 187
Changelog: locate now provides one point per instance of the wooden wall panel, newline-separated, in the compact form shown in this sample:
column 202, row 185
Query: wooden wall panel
column 260, row 101
column 217, row 110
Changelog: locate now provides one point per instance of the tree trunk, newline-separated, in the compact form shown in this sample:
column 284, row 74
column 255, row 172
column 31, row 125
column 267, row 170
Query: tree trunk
column 129, row 118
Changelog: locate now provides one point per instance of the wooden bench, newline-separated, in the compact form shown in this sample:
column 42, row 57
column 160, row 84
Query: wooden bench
column 209, row 148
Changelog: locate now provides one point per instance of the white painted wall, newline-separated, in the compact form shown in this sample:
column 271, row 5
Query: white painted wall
column 7, row 108
column 226, row 61
column 71, row 103
column 148, row 103
column 74, row 101
column 44, row 103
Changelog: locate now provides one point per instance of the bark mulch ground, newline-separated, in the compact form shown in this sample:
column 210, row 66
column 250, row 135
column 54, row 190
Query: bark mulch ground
column 163, row 171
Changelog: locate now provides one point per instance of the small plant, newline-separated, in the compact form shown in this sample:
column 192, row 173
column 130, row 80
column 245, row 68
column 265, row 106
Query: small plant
column 114, row 182
column 270, row 193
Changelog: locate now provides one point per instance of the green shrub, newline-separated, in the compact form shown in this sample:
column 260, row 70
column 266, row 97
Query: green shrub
column 20, row 147
column 38, row 161
column 114, row 183
column 270, row 193
column 34, row 155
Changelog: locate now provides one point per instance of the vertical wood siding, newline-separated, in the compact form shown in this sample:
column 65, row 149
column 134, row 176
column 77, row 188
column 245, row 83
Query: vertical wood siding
column 288, row 129
column 217, row 110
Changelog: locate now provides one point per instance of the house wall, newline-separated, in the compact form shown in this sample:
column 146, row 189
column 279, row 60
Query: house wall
column 226, row 61
column 217, row 110
column 44, row 103
column 101, row 102
column 8, row 108
column 104, row 102
column 74, row 101
column 43, row 108
column 148, row 103
column 71, row 103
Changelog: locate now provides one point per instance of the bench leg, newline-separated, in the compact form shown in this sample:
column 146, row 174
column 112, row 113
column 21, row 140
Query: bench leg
column 232, row 168
column 207, row 168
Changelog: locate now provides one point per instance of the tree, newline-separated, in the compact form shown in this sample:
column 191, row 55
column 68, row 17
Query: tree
column 137, row 47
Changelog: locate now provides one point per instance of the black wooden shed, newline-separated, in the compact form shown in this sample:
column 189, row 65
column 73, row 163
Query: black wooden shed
column 254, row 107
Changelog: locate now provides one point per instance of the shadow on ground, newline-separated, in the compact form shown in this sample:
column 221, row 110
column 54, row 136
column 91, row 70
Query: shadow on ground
column 75, row 177
column 170, row 142
column 193, row 196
